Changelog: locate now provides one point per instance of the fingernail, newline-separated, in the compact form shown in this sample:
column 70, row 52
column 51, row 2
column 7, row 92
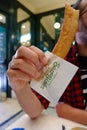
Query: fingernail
column 44, row 60
column 40, row 66
column 16, row 54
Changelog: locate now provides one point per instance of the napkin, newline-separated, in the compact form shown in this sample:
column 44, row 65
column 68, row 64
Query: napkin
column 56, row 75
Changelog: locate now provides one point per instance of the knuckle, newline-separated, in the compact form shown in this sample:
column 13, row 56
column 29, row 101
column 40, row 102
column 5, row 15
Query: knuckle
column 20, row 50
column 11, row 74
column 32, row 47
column 17, row 63
column 8, row 72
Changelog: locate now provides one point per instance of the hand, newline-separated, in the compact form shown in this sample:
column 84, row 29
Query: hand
column 25, row 65
column 71, row 113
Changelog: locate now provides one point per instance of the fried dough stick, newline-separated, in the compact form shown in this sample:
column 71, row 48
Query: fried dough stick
column 68, row 30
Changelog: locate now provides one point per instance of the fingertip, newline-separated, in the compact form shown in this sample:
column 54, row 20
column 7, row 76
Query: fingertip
column 44, row 60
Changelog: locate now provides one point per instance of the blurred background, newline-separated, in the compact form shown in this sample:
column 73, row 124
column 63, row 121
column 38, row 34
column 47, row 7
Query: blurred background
column 27, row 22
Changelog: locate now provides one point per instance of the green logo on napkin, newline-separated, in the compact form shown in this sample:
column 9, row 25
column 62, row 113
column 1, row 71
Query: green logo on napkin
column 50, row 75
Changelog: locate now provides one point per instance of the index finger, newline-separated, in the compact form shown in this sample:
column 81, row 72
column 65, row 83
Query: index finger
column 26, row 53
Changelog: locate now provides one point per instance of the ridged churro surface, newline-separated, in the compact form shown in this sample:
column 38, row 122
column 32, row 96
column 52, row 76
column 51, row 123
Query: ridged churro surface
column 68, row 30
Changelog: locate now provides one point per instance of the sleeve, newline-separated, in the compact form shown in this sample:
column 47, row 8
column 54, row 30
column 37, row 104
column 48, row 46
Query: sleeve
column 43, row 100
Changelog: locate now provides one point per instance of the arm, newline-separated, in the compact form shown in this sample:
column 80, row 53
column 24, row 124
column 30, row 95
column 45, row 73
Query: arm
column 71, row 113
column 23, row 67
column 29, row 101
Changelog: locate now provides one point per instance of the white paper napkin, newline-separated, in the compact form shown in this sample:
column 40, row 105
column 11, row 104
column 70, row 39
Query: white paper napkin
column 56, row 77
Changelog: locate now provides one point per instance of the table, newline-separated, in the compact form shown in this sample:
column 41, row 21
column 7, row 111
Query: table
column 44, row 122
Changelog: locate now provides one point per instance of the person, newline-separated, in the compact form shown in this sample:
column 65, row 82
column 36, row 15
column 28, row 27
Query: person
column 27, row 62
column 73, row 103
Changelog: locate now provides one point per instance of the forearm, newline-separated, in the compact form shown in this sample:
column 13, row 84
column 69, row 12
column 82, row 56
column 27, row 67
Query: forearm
column 71, row 113
column 29, row 102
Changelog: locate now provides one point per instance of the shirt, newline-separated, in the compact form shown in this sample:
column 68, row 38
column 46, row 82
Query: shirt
column 83, row 70
column 43, row 100
column 73, row 94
